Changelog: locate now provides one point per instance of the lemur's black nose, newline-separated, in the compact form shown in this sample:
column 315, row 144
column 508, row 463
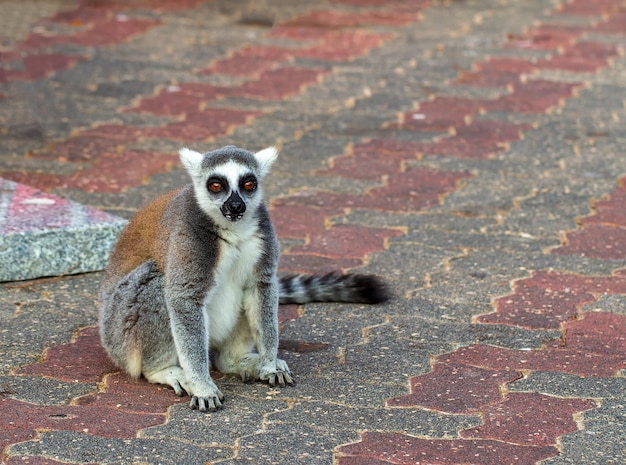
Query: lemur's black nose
column 237, row 207
column 235, row 204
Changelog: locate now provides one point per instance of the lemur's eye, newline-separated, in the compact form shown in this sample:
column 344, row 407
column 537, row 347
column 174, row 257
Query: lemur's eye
column 249, row 185
column 215, row 186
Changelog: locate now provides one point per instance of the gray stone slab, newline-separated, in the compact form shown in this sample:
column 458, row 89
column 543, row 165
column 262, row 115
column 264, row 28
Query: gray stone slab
column 45, row 235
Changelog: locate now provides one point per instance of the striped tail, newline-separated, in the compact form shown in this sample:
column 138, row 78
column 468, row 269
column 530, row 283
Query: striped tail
column 332, row 287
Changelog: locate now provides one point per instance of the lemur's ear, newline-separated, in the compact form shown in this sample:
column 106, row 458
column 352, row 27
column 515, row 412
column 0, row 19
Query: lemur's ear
column 191, row 160
column 266, row 158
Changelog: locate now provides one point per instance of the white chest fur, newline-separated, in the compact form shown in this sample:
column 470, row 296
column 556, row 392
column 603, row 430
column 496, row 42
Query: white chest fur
column 235, row 280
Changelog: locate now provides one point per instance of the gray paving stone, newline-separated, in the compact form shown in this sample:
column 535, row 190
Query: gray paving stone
column 519, row 242
column 39, row 314
column 565, row 385
column 607, row 303
column 330, row 382
column 290, row 443
column 602, row 439
column 333, row 416
column 245, row 411
column 84, row 448
column 43, row 391
column 422, row 331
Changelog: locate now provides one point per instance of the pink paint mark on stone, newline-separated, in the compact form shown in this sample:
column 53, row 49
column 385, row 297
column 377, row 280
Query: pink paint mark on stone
column 25, row 209
column 31, row 210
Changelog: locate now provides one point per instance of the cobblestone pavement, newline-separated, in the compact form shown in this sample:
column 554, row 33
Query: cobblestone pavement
column 472, row 152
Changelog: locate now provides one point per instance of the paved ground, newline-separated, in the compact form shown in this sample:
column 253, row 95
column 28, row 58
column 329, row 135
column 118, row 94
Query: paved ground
column 471, row 152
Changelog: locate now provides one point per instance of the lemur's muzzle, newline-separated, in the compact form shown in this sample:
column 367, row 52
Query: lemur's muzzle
column 234, row 207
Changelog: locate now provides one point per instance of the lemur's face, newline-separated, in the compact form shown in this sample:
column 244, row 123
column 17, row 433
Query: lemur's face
column 227, row 181
column 232, row 187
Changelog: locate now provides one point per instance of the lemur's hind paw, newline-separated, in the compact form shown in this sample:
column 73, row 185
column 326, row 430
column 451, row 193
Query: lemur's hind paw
column 172, row 376
column 281, row 378
column 279, row 374
column 206, row 404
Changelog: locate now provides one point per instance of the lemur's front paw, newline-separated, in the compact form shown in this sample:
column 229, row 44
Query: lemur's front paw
column 276, row 372
column 208, row 399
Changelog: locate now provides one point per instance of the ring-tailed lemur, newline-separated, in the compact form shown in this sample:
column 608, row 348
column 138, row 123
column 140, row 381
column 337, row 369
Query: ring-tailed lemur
column 196, row 270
